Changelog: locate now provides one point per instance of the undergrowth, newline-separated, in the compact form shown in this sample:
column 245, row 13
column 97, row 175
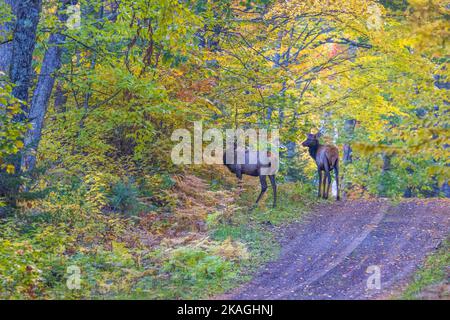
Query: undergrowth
column 191, row 239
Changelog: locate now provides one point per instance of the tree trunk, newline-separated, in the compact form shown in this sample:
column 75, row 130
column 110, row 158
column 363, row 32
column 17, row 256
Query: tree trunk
column 87, row 10
column 43, row 91
column 276, row 64
column 6, row 33
column 445, row 188
column 382, row 186
column 349, row 127
column 386, row 162
column 60, row 97
column 23, row 43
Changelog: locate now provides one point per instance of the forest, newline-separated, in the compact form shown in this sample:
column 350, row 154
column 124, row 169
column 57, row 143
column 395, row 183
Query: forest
column 92, row 205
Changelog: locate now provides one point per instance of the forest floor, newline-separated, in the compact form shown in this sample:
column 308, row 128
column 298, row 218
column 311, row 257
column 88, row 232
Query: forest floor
column 328, row 253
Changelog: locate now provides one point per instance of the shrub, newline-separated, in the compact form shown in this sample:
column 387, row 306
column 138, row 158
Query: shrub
column 123, row 198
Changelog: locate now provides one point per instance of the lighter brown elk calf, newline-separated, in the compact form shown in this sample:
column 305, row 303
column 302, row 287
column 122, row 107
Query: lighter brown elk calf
column 327, row 159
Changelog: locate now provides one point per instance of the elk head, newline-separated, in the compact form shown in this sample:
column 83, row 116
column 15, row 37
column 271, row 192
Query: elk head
column 312, row 140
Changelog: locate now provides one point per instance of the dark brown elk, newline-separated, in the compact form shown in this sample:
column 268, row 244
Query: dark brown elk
column 252, row 168
column 327, row 159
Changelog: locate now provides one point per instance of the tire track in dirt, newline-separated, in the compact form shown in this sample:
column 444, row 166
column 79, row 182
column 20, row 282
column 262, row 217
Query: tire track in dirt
column 326, row 256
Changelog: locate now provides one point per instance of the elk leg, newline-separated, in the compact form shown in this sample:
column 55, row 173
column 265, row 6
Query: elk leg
column 326, row 178
column 262, row 180
column 329, row 183
column 320, row 183
column 324, row 184
column 274, row 189
column 336, row 175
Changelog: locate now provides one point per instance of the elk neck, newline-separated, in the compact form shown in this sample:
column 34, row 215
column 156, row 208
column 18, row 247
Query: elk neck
column 313, row 150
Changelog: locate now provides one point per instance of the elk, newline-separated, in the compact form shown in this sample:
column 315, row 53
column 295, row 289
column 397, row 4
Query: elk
column 252, row 169
column 327, row 159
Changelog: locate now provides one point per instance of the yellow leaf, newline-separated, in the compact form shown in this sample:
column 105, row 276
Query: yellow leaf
column 10, row 169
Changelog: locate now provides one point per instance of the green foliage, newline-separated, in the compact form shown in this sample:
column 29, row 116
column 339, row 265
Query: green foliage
column 434, row 271
column 124, row 198
column 28, row 258
column 11, row 132
column 195, row 267
column 408, row 176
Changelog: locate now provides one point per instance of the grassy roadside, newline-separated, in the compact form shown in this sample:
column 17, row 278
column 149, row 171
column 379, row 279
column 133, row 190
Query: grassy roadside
column 432, row 280
column 254, row 228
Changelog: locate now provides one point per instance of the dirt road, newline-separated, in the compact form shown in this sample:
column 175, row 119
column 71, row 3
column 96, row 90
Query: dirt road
column 327, row 255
